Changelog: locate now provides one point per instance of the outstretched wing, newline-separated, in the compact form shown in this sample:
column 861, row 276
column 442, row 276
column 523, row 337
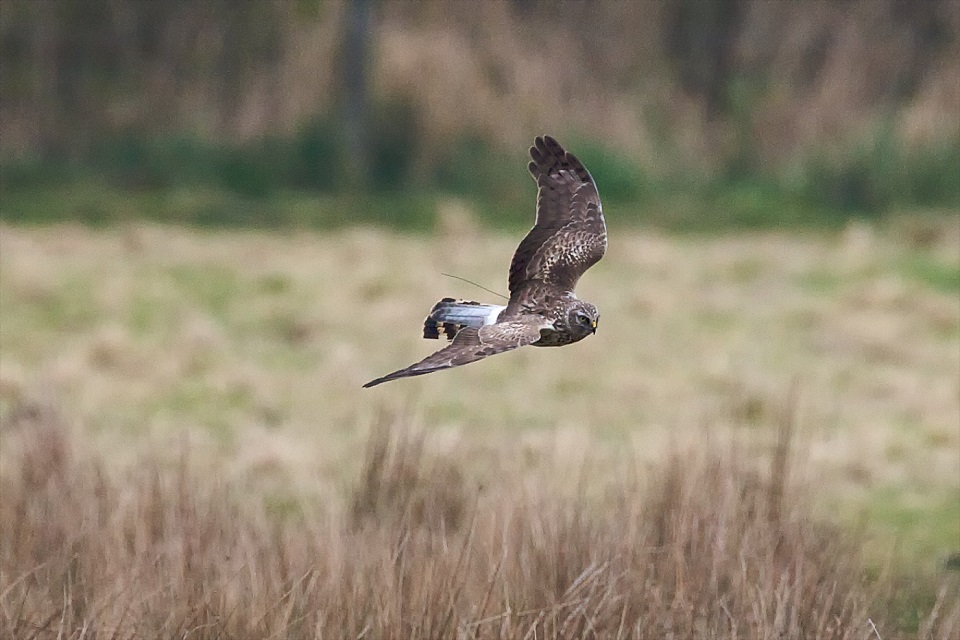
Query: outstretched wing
column 570, row 234
column 472, row 344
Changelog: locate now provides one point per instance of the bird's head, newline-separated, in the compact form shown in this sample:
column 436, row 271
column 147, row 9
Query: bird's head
column 582, row 319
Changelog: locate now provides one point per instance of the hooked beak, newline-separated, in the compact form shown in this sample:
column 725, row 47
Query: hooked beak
column 593, row 325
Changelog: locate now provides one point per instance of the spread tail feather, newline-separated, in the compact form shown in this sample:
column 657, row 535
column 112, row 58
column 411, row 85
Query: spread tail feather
column 449, row 316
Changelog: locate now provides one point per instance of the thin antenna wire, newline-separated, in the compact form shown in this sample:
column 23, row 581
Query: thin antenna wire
column 450, row 275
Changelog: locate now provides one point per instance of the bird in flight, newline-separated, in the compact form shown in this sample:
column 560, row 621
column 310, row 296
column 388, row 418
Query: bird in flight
column 568, row 237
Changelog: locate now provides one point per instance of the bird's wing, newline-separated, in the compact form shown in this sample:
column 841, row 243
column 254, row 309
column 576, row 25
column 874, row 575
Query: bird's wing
column 472, row 344
column 570, row 234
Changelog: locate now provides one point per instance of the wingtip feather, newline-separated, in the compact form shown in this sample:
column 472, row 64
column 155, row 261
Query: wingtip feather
column 409, row 372
column 382, row 379
column 544, row 148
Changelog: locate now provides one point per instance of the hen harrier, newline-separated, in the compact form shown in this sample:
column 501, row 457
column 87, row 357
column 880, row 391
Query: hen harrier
column 569, row 237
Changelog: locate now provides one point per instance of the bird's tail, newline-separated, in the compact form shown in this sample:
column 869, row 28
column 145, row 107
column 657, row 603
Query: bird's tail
column 449, row 316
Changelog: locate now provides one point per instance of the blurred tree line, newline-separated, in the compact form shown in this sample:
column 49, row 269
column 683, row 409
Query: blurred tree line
column 850, row 106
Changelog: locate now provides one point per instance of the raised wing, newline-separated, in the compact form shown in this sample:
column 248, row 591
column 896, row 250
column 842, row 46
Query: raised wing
column 472, row 344
column 570, row 234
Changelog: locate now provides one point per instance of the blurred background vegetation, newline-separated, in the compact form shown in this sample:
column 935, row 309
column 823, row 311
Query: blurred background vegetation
column 690, row 114
column 126, row 346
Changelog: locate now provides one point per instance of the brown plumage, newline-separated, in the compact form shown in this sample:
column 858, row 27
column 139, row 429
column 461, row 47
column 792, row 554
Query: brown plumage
column 568, row 237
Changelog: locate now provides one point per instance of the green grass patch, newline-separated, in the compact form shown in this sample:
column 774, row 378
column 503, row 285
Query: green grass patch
column 213, row 288
column 922, row 526
column 933, row 273
column 66, row 307
column 99, row 204
column 820, row 281
column 310, row 179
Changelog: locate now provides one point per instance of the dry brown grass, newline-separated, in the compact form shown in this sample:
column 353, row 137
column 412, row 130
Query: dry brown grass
column 809, row 75
column 701, row 546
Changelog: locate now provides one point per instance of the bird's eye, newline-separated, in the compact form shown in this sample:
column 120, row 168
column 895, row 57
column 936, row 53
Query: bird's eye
column 583, row 319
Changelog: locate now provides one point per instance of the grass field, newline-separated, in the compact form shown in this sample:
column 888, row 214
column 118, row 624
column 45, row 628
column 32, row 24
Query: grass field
column 182, row 415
